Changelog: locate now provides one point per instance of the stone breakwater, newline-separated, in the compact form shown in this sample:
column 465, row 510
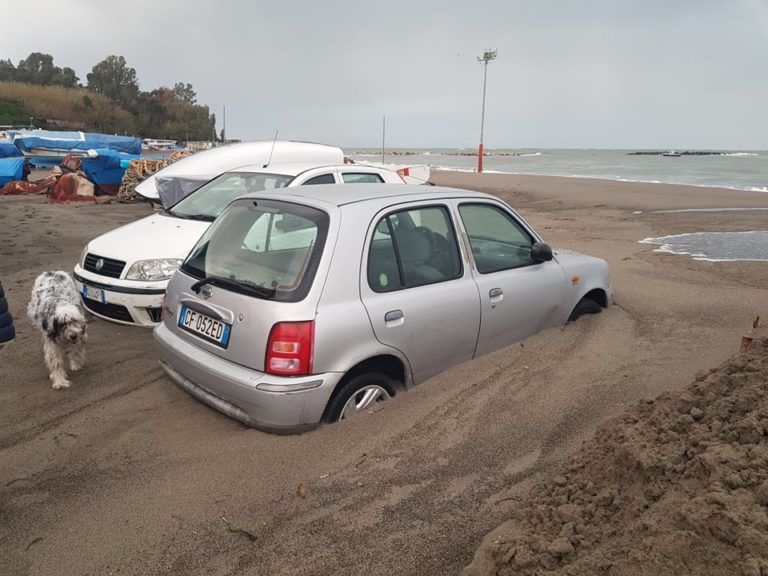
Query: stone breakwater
column 676, row 153
column 420, row 153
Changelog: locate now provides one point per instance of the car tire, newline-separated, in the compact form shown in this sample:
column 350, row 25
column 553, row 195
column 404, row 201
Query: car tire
column 585, row 306
column 360, row 393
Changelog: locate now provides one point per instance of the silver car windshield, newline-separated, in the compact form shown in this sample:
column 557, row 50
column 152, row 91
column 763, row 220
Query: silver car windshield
column 208, row 201
column 268, row 248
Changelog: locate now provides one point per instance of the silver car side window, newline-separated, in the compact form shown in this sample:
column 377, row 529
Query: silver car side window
column 383, row 269
column 498, row 241
column 412, row 248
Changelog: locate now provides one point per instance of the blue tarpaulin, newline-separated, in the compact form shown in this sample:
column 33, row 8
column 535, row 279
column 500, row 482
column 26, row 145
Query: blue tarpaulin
column 8, row 150
column 37, row 143
column 107, row 168
column 11, row 169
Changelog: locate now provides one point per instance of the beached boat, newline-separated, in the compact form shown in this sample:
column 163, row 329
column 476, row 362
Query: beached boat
column 46, row 148
column 156, row 144
column 410, row 173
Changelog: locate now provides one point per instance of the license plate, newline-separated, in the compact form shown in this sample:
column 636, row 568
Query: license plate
column 94, row 293
column 204, row 326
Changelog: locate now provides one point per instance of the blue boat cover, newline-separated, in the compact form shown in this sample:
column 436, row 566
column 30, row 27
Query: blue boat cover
column 8, row 150
column 10, row 169
column 26, row 140
column 106, row 168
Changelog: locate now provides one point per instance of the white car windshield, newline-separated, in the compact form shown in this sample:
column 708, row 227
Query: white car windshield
column 208, row 201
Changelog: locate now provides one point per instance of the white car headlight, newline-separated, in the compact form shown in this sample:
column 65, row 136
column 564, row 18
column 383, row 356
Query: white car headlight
column 83, row 254
column 160, row 269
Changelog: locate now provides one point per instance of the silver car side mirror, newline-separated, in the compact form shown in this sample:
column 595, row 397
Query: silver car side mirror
column 541, row 252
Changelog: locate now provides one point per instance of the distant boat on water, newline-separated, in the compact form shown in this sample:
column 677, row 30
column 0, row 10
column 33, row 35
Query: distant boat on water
column 46, row 148
column 671, row 153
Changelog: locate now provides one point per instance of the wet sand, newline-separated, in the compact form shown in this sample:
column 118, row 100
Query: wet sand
column 125, row 473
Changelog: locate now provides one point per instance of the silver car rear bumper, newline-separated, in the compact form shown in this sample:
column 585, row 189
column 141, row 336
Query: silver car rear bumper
column 271, row 403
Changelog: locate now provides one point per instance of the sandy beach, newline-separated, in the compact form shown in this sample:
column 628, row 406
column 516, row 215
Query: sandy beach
column 125, row 473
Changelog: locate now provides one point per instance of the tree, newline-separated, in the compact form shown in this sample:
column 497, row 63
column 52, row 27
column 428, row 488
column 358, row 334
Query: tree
column 7, row 71
column 113, row 78
column 150, row 114
column 37, row 68
column 67, row 78
column 164, row 113
column 184, row 93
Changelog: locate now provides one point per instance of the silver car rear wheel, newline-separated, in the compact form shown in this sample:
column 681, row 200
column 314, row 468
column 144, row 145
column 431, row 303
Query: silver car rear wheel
column 366, row 398
column 360, row 393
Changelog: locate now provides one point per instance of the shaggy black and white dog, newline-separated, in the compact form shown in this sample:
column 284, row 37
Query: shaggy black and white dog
column 55, row 310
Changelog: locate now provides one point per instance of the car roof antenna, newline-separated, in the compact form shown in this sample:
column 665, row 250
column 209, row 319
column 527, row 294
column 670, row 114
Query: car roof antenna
column 271, row 150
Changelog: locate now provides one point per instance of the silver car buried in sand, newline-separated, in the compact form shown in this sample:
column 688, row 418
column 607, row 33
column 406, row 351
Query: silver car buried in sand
column 311, row 304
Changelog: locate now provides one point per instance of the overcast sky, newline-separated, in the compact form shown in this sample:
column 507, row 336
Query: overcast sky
column 579, row 74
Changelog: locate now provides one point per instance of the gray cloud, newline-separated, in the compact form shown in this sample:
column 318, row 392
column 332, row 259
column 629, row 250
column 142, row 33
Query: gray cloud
column 597, row 73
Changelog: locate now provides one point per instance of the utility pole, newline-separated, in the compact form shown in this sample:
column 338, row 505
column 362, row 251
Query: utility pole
column 487, row 56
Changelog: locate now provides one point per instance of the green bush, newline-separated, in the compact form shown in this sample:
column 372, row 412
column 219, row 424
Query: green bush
column 11, row 114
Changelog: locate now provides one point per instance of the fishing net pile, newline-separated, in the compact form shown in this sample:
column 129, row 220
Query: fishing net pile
column 140, row 169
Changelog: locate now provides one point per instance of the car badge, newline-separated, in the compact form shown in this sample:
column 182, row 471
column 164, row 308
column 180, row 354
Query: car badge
column 99, row 264
column 206, row 291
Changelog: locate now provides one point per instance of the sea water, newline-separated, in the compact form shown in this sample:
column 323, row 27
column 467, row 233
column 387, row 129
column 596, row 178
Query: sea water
column 737, row 170
column 716, row 246
column 742, row 170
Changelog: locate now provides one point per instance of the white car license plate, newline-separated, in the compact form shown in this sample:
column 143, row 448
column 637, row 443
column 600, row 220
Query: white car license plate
column 205, row 326
column 94, row 293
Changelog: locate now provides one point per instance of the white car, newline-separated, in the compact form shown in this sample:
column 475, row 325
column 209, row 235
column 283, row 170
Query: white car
column 122, row 275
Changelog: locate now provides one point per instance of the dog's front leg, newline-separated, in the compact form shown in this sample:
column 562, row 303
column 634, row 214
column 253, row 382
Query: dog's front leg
column 54, row 360
column 76, row 357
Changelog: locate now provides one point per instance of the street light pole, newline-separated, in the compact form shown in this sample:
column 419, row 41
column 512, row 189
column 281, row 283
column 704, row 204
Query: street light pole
column 487, row 56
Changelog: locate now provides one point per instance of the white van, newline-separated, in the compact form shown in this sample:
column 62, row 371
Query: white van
column 191, row 172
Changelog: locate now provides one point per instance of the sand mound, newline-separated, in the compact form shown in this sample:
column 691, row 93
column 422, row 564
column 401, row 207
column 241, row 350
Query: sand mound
column 677, row 485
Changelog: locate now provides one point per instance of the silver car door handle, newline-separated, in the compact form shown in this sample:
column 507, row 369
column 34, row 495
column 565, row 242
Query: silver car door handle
column 393, row 315
column 495, row 292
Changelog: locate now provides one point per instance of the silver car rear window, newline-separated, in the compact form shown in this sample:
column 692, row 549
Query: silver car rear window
column 264, row 244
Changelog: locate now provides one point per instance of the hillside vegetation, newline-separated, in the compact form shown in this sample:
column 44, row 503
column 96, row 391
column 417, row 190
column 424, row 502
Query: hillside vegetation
column 57, row 108
column 38, row 93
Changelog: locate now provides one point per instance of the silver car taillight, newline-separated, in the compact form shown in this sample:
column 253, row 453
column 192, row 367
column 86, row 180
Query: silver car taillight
column 289, row 349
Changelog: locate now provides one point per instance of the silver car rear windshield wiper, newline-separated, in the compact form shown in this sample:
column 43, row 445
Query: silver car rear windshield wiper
column 241, row 286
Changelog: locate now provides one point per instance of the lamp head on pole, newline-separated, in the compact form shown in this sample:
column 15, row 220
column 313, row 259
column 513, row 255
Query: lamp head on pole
column 487, row 56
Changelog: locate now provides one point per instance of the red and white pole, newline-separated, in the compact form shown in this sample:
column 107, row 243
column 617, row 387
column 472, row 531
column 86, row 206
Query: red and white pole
column 488, row 55
column 480, row 158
